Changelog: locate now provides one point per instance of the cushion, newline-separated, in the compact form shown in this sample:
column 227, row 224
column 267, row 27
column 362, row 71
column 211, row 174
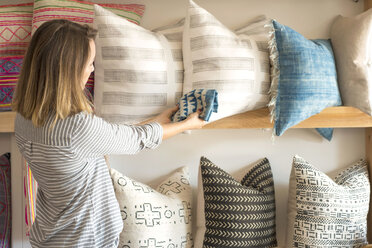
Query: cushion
column 5, row 201
column 351, row 39
column 304, row 78
column 232, row 213
column 236, row 64
column 80, row 11
column 199, row 99
column 15, row 30
column 327, row 212
column 137, row 70
column 10, row 68
column 158, row 217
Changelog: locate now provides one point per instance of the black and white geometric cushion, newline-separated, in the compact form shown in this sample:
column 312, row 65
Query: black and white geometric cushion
column 325, row 212
column 232, row 213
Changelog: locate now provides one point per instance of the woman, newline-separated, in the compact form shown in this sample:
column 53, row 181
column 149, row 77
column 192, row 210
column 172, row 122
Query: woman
column 65, row 143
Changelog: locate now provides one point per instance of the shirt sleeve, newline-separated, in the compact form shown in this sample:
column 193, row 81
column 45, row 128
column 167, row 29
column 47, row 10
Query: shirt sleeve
column 94, row 136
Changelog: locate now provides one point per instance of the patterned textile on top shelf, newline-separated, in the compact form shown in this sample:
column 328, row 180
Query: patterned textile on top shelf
column 138, row 72
column 351, row 40
column 235, row 214
column 10, row 68
column 304, row 78
column 5, row 201
column 327, row 212
column 15, row 28
column 205, row 100
column 155, row 218
column 235, row 63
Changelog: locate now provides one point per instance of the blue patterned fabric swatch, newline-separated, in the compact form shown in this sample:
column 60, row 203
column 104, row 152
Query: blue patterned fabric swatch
column 205, row 100
column 304, row 79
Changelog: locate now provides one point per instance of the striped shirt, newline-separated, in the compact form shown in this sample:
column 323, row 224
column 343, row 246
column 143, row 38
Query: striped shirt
column 76, row 204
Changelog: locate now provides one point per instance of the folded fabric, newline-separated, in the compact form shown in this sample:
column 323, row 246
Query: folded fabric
column 10, row 68
column 5, row 201
column 205, row 100
column 304, row 78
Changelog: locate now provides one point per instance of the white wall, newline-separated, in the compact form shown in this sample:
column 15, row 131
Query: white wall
column 233, row 150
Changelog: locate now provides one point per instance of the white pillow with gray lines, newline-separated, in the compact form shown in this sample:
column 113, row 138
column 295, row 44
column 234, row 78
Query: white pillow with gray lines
column 155, row 218
column 236, row 64
column 139, row 73
column 327, row 212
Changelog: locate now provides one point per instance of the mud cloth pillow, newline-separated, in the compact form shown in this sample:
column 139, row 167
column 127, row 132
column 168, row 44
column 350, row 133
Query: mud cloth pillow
column 15, row 28
column 351, row 39
column 158, row 217
column 236, row 64
column 235, row 214
column 304, row 78
column 10, row 68
column 137, row 71
column 327, row 212
column 5, row 201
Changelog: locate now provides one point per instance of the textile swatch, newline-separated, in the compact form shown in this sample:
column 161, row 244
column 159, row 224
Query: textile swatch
column 5, row 201
column 10, row 68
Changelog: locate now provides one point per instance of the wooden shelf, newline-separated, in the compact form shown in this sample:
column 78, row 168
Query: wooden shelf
column 337, row 117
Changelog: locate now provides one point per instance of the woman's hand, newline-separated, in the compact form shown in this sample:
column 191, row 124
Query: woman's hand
column 166, row 116
column 193, row 121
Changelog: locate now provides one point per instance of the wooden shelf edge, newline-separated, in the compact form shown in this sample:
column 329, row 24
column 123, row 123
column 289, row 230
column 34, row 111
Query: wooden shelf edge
column 337, row 117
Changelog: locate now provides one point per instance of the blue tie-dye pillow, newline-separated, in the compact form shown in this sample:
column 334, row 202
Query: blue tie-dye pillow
column 205, row 100
column 304, row 78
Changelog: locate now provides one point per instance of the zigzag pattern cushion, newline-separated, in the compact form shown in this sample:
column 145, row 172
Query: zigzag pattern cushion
column 236, row 64
column 304, row 79
column 235, row 214
column 80, row 11
column 137, row 71
column 5, row 201
column 155, row 218
column 327, row 212
column 205, row 100
column 15, row 28
column 10, row 68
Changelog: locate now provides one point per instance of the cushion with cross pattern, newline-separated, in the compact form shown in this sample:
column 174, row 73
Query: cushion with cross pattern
column 155, row 217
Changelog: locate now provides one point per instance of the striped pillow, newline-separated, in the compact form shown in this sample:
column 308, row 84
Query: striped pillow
column 235, row 214
column 15, row 28
column 234, row 64
column 80, row 11
column 10, row 68
column 5, row 201
column 138, row 72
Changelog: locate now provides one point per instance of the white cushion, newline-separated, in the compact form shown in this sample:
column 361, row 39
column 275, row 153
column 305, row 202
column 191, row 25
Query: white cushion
column 153, row 218
column 236, row 64
column 138, row 72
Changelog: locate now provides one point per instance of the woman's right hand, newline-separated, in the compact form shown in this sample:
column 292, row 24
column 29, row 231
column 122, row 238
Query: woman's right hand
column 194, row 122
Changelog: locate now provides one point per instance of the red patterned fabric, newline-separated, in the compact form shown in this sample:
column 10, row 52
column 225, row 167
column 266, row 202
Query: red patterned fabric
column 5, row 201
column 15, row 28
column 10, row 68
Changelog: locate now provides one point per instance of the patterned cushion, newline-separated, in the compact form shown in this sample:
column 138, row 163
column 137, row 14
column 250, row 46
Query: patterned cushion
column 327, row 212
column 137, row 71
column 235, row 214
column 351, row 40
column 304, row 79
column 205, row 100
column 155, row 218
column 10, row 68
column 5, row 201
column 234, row 64
column 80, row 11
column 15, row 28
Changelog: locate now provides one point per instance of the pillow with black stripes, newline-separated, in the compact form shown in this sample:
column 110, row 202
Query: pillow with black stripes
column 139, row 73
column 158, row 217
column 235, row 63
column 326, row 211
column 232, row 213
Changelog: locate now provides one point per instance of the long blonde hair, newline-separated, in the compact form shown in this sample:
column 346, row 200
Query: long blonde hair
column 52, row 71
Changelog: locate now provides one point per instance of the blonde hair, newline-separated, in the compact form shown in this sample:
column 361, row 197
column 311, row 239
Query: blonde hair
column 50, row 81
